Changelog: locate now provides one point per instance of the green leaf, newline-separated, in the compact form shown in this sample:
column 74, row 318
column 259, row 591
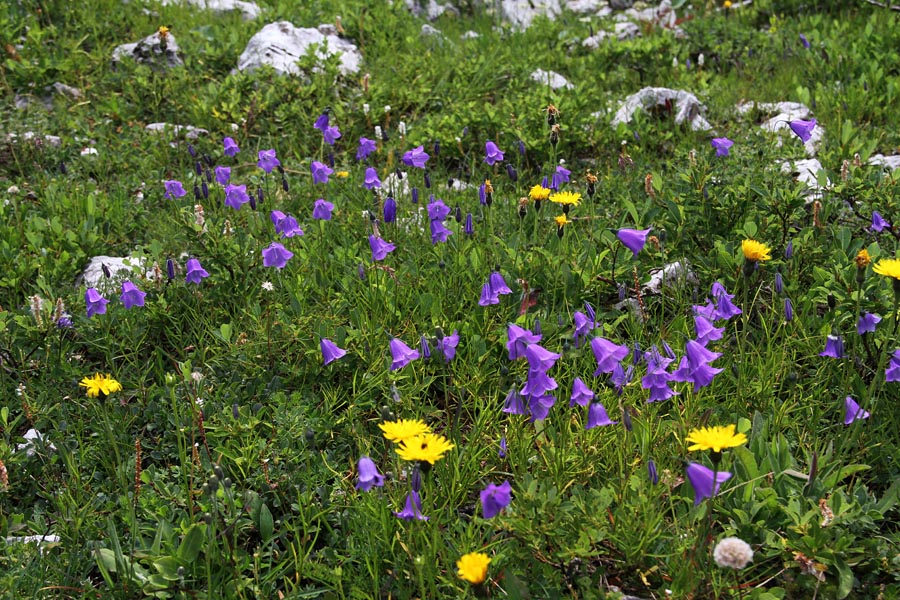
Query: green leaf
column 167, row 567
column 266, row 523
column 845, row 577
column 191, row 544
column 834, row 478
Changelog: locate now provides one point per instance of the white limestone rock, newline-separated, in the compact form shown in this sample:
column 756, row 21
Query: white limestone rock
column 520, row 13
column 552, row 79
column 784, row 113
column 806, row 171
column 33, row 437
column 587, row 6
column 249, row 10
column 120, row 269
column 671, row 276
column 431, row 11
column 687, row 107
column 886, row 162
column 280, row 45
column 188, row 132
column 155, row 49
column 623, row 30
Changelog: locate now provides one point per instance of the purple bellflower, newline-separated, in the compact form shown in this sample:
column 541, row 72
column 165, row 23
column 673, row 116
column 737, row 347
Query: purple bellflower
column 834, row 347
column 513, row 403
column 852, row 411
column 803, row 129
column 236, row 196
column 725, row 308
column 447, row 345
column 437, row 210
column 223, row 175
column 495, row 498
column 878, row 222
column 380, row 248
column 417, row 157
column 633, row 239
column 892, row 372
column 583, row 327
column 597, row 416
column 701, row 479
column 706, row 332
column 174, row 189
column 131, row 295
column 331, row 135
column 657, row 378
column 439, row 233
column 401, row 354
column 372, row 180
column 621, row 377
column 320, row 172
column 286, row 225
column 518, row 339
column 231, row 147
column 389, row 210
column 369, row 476
column 608, row 354
column 412, row 509
column 694, row 366
column 492, row 153
column 366, row 147
column 267, row 160
column 96, row 304
column 804, row 41
column 788, row 310
column 195, row 273
column 867, row 323
column 722, row 145
column 322, row 210
column 581, row 393
column 276, row 256
column 330, row 351
column 540, row 406
column 321, row 122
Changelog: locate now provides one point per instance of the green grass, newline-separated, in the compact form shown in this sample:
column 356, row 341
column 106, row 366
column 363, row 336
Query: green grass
column 244, row 482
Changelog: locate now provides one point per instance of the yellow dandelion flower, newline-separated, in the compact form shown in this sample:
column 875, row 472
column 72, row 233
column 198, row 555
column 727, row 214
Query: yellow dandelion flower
column 726, row 4
column 163, row 31
column 562, row 220
column 342, row 174
column 889, row 267
column 756, row 251
column 426, row 447
column 397, row 431
column 715, row 438
column 100, row 385
column 473, row 567
column 863, row 258
column 566, row 198
column 538, row 193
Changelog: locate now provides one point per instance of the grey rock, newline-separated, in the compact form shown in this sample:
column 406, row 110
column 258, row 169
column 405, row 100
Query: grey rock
column 784, row 113
column 887, row 162
column 35, row 138
column 586, row 6
column 45, row 100
column 280, row 45
column 120, row 269
column 429, row 31
column 624, row 30
column 470, row 35
column 156, row 50
column 687, row 106
column 806, row 171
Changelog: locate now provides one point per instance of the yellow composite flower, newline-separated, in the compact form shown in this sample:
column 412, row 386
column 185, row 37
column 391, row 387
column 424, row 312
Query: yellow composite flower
column 402, row 429
column 473, row 567
column 889, row 267
column 566, row 198
column 342, row 174
column 756, row 251
column 100, row 384
column 538, row 193
column 562, row 220
column 425, row 447
column 863, row 258
column 715, row 438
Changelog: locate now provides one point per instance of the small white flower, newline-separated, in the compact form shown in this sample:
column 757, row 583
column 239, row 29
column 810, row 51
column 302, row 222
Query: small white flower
column 89, row 151
column 401, row 127
column 366, row 109
column 13, row 189
column 387, row 108
column 234, row 127
column 674, row 62
column 701, row 59
column 378, row 132
column 733, row 552
column 267, row 285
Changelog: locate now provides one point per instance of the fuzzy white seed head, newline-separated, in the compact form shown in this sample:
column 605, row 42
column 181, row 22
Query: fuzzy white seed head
column 366, row 109
column 378, row 132
column 387, row 108
column 401, row 127
column 733, row 553
column 701, row 59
